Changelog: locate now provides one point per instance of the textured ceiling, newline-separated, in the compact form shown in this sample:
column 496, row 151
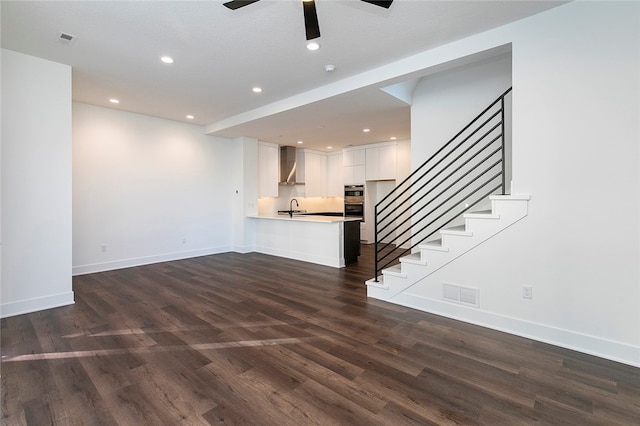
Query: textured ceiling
column 221, row 54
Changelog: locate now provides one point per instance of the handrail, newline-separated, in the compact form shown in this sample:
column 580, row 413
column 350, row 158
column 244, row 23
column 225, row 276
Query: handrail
column 464, row 167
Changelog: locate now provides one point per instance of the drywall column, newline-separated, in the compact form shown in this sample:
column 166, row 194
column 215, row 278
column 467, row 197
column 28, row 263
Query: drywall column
column 245, row 181
column 36, row 184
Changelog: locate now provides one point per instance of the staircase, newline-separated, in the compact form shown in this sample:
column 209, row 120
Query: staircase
column 458, row 194
column 453, row 243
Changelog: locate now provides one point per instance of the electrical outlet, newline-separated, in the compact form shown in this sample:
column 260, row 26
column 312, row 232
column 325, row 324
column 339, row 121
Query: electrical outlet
column 527, row 292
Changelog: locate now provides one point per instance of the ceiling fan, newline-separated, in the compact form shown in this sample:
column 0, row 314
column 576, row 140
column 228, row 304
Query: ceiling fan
column 310, row 16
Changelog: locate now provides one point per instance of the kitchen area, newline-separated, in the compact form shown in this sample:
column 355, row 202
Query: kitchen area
column 318, row 206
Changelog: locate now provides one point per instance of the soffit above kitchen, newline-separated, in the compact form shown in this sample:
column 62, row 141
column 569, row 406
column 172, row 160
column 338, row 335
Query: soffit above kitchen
column 221, row 54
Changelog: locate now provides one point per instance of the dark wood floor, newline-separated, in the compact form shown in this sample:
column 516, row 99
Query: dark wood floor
column 260, row 340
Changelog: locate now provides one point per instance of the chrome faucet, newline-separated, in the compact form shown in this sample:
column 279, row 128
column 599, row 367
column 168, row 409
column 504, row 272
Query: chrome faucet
column 291, row 206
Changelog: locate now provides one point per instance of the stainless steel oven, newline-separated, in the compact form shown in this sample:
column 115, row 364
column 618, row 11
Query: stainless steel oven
column 354, row 201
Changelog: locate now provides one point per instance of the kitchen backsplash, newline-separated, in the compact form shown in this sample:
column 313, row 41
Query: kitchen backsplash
column 268, row 206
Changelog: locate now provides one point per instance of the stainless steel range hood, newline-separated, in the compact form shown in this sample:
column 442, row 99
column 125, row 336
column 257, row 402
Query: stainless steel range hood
column 288, row 166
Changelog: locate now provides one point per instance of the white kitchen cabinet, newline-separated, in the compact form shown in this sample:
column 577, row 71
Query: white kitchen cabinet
column 381, row 162
column 315, row 174
column 268, row 169
column 354, row 157
column 354, row 175
column 335, row 183
column 354, row 169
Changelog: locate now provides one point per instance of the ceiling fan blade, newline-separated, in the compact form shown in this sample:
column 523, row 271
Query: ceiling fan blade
column 385, row 4
column 311, row 19
column 236, row 4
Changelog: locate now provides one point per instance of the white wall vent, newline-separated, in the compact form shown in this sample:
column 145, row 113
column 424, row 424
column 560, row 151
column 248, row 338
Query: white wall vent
column 463, row 295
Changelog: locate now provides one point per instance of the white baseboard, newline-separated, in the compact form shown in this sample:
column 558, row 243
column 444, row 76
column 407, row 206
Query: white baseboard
column 147, row 260
column 32, row 305
column 242, row 249
column 592, row 345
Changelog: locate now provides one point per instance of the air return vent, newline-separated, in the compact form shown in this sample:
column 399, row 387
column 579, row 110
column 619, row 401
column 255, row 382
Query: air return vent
column 463, row 295
column 66, row 38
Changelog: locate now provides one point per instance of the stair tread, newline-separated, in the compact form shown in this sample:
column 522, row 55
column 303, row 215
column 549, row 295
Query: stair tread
column 485, row 214
column 433, row 245
column 415, row 258
column 395, row 270
column 456, row 230
column 379, row 283
column 516, row 197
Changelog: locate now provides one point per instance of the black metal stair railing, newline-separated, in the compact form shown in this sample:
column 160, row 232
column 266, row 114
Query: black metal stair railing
column 456, row 178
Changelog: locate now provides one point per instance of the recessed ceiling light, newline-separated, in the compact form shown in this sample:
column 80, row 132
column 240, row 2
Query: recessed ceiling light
column 393, row 138
column 300, row 142
column 312, row 45
column 329, row 147
column 167, row 59
column 366, row 130
column 329, row 68
column 257, row 90
column 190, row 117
column 114, row 101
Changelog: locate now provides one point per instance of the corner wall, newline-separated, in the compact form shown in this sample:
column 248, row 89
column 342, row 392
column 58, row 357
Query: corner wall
column 146, row 190
column 36, row 184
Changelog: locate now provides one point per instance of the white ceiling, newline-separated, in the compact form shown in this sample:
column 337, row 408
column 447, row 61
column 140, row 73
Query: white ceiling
column 221, row 54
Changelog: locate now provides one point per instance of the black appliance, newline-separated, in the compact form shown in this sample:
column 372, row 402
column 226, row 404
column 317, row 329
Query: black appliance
column 354, row 201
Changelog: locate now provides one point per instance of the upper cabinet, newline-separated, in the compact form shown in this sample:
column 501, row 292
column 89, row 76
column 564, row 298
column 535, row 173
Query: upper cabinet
column 353, row 160
column 381, row 161
column 325, row 174
column 315, row 174
column 268, row 169
column 335, row 183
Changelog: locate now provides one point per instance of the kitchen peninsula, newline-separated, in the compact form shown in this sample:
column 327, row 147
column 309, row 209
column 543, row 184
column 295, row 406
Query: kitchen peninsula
column 325, row 240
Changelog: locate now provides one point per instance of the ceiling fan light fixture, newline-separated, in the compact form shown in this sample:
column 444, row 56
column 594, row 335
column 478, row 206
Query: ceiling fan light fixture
column 311, row 25
column 312, row 45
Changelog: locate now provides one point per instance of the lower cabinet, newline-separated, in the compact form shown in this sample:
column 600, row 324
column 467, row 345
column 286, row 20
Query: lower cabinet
column 351, row 241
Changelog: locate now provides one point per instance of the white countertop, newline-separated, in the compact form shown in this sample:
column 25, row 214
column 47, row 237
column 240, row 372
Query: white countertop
column 306, row 218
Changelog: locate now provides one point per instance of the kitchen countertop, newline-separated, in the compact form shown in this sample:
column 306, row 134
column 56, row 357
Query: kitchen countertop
column 306, row 218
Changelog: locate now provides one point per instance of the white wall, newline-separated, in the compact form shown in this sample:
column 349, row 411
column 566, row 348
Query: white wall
column 146, row 190
column 36, row 184
column 445, row 102
column 245, row 192
column 576, row 138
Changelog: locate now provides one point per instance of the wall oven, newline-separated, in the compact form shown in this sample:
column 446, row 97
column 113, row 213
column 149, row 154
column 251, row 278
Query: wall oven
column 354, row 201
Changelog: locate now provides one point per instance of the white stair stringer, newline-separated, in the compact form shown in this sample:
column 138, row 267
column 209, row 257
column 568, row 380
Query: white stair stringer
column 479, row 227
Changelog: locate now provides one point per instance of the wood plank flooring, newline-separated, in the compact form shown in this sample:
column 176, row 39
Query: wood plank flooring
column 259, row 340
